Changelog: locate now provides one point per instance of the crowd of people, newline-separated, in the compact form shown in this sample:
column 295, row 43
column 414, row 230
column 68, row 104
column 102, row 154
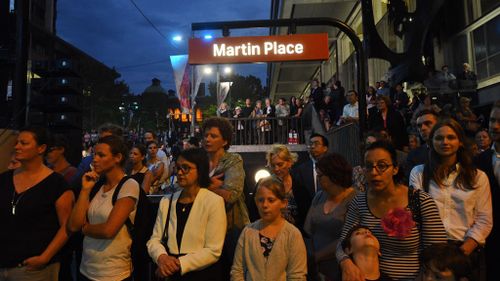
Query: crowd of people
column 427, row 214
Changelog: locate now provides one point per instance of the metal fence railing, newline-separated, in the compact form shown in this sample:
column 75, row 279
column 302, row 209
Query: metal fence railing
column 267, row 130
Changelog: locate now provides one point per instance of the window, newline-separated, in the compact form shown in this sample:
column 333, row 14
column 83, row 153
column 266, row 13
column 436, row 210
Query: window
column 487, row 49
column 488, row 5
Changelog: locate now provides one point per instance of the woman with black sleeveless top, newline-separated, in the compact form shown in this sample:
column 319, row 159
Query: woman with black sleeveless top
column 137, row 167
column 35, row 203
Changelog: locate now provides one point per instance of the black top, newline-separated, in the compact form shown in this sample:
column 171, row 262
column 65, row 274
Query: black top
column 30, row 230
column 246, row 111
column 267, row 244
column 138, row 177
column 395, row 125
column 417, row 156
column 383, row 277
column 182, row 211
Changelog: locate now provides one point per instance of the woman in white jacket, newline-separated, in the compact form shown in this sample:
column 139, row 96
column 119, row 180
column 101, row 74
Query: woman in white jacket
column 190, row 245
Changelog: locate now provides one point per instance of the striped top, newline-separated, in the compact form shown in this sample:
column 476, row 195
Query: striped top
column 400, row 257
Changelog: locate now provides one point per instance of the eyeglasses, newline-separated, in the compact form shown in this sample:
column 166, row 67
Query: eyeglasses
column 380, row 167
column 184, row 168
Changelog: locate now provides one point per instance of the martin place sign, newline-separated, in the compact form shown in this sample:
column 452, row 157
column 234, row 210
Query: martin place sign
column 297, row 47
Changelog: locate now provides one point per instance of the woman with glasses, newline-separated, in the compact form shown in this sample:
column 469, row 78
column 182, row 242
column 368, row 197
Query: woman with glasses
column 403, row 220
column 325, row 218
column 462, row 192
column 280, row 160
column 227, row 178
column 156, row 166
column 188, row 236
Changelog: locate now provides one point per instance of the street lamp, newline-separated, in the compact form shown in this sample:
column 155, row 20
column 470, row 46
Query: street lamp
column 227, row 70
column 177, row 38
column 207, row 70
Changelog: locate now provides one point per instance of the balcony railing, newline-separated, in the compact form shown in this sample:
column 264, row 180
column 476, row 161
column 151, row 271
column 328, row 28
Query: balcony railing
column 267, row 130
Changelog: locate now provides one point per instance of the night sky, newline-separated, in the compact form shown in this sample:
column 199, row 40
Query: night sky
column 115, row 33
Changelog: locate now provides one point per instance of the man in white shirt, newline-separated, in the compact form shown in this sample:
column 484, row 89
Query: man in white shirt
column 351, row 111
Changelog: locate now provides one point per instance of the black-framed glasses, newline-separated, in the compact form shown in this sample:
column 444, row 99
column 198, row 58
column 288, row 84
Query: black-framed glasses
column 380, row 167
column 184, row 168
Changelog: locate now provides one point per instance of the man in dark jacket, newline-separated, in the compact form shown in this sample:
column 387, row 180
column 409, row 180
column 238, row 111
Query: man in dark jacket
column 425, row 122
column 489, row 162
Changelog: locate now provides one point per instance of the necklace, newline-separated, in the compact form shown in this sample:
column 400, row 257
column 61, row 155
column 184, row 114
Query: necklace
column 185, row 206
column 15, row 201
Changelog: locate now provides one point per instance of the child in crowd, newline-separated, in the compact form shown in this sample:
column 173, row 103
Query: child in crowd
column 270, row 248
column 364, row 249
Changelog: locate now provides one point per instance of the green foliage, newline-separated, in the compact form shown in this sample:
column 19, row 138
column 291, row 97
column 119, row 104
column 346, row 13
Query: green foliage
column 243, row 87
column 209, row 111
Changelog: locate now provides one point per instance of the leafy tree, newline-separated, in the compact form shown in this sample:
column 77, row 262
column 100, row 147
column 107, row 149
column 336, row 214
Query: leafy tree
column 243, row 87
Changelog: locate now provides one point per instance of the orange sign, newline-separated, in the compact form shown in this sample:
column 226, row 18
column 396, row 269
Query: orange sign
column 296, row 47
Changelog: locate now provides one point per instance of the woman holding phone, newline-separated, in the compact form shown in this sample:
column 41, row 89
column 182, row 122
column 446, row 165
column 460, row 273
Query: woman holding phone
column 106, row 245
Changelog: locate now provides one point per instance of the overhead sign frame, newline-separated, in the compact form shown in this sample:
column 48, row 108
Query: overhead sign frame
column 251, row 49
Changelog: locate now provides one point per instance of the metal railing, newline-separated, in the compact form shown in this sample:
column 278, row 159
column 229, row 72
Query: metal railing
column 267, row 130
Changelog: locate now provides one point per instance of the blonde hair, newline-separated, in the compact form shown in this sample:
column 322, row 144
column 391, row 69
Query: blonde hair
column 282, row 151
column 274, row 185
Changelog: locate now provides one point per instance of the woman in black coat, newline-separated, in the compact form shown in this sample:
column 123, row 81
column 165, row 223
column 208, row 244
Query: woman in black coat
column 391, row 120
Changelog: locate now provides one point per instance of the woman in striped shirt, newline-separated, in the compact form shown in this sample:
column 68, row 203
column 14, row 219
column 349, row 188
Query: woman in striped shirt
column 402, row 219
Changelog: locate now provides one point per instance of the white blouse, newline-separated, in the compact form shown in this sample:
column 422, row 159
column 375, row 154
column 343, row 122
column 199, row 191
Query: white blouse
column 464, row 212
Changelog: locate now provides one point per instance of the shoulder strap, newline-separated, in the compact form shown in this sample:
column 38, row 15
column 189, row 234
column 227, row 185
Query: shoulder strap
column 128, row 222
column 164, row 238
column 414, row 205
column 118, row 188
column 96, row 188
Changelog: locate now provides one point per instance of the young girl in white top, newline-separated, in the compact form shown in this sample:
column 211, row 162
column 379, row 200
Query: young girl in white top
column 270, row 248
column 106, row 246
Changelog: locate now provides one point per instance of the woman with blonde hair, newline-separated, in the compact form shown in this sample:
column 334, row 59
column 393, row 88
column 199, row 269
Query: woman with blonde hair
column 280, row 160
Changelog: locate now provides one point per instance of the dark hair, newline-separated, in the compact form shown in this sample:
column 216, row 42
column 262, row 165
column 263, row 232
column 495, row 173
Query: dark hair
column 194, row 141
column 428, row 111
column 152, row 134
column 116, row 145
column 323, row 139
column 394, row 157
column 224, row 126
column 446, row 256
column 353, row 91
column 59, row 140
column 338, row 83
column 274, row 184
column 346, row 243
column 151, row 142
column 115, row 130
column 386, row 99
column 336, row 168
column 434, row 170
column 40, row 134
column 199, row 157
column 143, row 150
